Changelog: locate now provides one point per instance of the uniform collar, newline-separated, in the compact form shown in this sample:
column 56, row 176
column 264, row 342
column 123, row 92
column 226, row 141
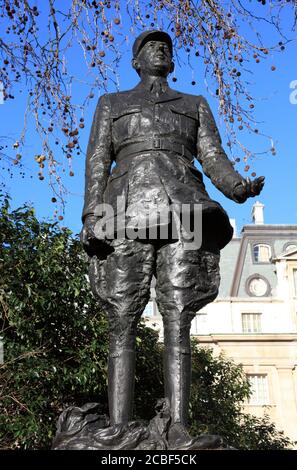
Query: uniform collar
column 145, row 89
column 154, row 84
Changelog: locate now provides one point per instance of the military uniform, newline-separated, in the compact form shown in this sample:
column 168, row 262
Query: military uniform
column 153, row 136
column 153, row 141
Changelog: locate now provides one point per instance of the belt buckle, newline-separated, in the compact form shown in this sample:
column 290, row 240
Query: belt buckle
column 157, row 143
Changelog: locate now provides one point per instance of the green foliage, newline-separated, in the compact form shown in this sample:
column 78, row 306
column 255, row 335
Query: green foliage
column 55, row 339
column 56, row 345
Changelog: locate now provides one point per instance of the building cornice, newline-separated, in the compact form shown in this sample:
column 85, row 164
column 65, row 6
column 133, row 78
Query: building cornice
column 268, row 229
column 264, row 300
column 248, row 338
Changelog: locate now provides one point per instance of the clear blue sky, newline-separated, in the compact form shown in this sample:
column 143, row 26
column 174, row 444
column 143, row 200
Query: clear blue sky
column 277, row 115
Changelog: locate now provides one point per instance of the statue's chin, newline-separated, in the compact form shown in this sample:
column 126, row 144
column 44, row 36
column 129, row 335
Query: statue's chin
column 159, row 69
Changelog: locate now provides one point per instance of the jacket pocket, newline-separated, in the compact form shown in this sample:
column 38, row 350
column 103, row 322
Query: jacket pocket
column 117, row 185
column 125, row 123
column 194, row 171
column 187, row 114
column 130, row 109
column 186, row 120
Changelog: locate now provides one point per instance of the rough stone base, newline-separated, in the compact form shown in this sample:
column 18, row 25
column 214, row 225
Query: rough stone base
column 85, row 429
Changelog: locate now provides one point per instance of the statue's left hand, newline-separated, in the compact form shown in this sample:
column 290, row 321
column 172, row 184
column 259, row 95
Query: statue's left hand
column 247, row 188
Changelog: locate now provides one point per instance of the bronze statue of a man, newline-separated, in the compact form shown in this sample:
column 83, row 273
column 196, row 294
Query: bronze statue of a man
column 153, row 133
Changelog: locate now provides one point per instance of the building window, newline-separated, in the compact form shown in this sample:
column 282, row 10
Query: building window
column 200, row 326
column 251, row 322
column 262, row 253
column 259, row 389
column 295, row 281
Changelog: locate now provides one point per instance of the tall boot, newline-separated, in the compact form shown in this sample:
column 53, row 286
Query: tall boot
column 177, row 377
column 121, row 371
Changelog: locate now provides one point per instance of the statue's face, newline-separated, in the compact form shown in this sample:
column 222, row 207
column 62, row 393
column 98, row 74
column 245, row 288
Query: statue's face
column 154, row 58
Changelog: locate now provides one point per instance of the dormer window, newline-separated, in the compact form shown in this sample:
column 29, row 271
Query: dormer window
column 290, row 247
column 262, row 253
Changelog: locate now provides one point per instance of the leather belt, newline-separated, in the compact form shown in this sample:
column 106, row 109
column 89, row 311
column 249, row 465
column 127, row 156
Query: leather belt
column 155, row 145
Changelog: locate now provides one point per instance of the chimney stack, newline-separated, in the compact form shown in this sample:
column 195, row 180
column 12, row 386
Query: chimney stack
column 258, row 213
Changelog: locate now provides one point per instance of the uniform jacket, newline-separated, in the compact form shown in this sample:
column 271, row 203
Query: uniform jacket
column 130, row 129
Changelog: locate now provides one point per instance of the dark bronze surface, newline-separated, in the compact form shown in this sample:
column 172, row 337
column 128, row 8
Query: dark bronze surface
column 153, row 133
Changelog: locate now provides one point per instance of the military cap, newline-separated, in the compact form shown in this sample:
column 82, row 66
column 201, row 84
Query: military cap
column 152, row 35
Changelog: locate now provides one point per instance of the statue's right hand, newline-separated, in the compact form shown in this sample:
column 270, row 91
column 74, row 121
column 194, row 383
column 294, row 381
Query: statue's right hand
column 91, row 244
